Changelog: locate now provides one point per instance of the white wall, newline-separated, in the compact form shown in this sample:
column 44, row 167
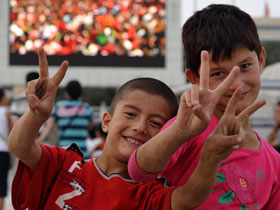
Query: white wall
column 172, row 74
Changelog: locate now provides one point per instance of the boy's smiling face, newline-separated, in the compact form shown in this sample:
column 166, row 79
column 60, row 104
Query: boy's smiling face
column 248, row 78
column 136, row 118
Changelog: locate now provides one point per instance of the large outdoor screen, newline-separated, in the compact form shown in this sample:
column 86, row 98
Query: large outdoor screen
column 88, row 32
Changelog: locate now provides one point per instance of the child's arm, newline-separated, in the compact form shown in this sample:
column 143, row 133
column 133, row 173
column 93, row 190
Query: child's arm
column 41, row 95
column 272, row 137
column 10, row 120
column 46, row 131
column 196, row 108
column 219, row 145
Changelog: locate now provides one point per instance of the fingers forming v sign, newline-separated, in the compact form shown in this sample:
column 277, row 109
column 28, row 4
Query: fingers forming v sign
column 236, row 122
column 226, row 137
column 209, row 98
column 41, row 93
column 198, row 104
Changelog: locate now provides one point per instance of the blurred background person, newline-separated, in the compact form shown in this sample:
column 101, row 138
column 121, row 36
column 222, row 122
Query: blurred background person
column 73, row 117
column 19, row 103
column 6, row 125
column 274, row 137
column 96, row 141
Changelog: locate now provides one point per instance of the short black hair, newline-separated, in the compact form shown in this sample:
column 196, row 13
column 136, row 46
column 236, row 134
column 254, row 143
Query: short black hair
column 148, row 85
column 31, row 76
column 2, row 93
column 220, row 29
column 74, row 89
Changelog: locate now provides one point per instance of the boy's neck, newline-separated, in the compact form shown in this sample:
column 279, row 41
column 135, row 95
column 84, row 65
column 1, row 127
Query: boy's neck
column 111, row 166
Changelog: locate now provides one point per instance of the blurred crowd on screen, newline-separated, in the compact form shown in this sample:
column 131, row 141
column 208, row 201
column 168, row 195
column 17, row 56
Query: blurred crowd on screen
column 90, row 27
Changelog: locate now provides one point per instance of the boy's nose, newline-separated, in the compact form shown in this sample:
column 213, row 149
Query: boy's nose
column 236, row 84
column 141, row 127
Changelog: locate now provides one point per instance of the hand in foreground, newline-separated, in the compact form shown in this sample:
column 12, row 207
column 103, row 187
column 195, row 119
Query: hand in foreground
column 41, row 93
column 226, row 137
column 198, row 104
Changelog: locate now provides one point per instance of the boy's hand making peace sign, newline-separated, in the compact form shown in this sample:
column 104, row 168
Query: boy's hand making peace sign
column 41, row 93
column 198, row 104
column 227, row 137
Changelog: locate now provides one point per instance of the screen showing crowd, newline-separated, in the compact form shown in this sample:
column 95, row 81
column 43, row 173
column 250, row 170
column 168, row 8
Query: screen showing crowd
column 88, row 32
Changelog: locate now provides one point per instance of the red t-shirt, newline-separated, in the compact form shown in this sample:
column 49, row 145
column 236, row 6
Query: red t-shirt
column 64, row 181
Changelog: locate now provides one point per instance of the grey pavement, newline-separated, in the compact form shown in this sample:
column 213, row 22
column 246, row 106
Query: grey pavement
column 8, row 202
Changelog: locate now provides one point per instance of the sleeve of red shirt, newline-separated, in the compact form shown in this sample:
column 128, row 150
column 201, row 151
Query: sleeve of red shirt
column 30, row 188
column 157, row 194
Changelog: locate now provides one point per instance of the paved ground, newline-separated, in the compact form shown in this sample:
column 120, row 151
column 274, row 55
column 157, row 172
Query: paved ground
column 8, row 204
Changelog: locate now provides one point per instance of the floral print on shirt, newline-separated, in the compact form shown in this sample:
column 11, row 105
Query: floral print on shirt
column 242, row 184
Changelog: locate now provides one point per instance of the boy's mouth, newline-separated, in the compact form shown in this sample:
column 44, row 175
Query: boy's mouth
column 229, row 95
column 134, row 141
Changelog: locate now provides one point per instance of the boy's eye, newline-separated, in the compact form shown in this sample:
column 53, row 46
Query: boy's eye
column 244, row 66
column 217, row 74
column 156, row 123
column 130, row 114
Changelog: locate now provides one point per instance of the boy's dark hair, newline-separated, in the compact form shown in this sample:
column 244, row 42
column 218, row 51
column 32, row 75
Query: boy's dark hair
column 2, row 93
column 74, row 89
column 150, row 86
column 31, row 76
column 220, row 29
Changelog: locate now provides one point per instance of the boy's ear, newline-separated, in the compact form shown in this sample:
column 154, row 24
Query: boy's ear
column 106, row 121
column 192, row 77
column 262, row 58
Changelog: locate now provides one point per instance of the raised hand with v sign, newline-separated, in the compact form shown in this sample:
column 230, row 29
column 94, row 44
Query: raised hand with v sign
column 41, row 95
column 227, row 135
column 198, row 104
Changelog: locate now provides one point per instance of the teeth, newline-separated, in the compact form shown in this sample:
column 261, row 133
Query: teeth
column 133, row 141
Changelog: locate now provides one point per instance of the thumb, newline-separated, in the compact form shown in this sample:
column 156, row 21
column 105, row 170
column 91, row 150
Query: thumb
column 235, row 142
column 33, row 101
column 201, row 114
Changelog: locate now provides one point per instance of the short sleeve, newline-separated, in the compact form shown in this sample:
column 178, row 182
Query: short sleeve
column 31, row 187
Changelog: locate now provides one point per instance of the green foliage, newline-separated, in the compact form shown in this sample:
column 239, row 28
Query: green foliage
column 244, row 207
column 226, row 197
column 220, row 178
